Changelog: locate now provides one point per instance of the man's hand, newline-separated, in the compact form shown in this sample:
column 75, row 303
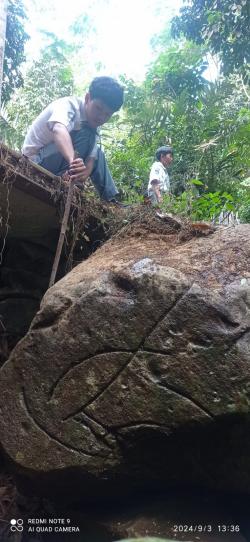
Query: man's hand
column 78, row 171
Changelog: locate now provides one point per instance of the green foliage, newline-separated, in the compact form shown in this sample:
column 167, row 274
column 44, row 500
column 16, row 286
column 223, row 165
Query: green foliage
column 16, row 38
column 244, row 200
column 177, row 70
column 8, row 128
column 48, row 78
column 200, row 206
column 207, row 123
column 223, row 25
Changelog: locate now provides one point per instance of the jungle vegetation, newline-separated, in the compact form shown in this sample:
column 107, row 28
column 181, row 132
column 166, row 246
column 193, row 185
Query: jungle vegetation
column 206, row 120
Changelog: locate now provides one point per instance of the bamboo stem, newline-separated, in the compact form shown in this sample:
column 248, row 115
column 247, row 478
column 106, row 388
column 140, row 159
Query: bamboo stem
column 62, row 234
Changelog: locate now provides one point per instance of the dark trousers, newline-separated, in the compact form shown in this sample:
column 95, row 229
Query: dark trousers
column 83, row 141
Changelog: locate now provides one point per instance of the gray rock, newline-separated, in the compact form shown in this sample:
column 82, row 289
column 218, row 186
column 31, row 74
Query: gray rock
column 136, row 372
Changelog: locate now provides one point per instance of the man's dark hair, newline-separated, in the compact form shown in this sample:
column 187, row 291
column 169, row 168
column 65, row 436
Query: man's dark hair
column 108, row 90
column 163, row 150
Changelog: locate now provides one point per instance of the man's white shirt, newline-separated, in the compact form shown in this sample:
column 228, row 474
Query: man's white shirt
column 159, row 173
column 69, row 111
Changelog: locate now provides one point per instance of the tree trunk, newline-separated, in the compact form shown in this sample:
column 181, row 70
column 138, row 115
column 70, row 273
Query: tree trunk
column 3, row 18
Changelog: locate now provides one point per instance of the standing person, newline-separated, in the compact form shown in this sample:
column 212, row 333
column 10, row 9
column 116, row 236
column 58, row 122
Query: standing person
column 68, row 127
column 158, row 178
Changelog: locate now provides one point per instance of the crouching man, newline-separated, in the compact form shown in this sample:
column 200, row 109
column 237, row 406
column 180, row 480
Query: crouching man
column 68, row 128
column 158, row 178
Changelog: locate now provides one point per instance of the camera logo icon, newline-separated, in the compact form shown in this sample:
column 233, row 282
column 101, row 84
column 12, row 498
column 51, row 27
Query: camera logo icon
column 16, row 525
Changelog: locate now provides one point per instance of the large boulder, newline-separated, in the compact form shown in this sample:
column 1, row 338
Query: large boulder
column 136, row 370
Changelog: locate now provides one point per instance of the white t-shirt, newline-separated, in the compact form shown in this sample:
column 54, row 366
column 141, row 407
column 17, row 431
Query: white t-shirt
column 159, row 173
column 69, row 111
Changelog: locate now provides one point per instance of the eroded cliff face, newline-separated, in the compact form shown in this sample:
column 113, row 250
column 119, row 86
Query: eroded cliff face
column 31, row 208
column 136, row 371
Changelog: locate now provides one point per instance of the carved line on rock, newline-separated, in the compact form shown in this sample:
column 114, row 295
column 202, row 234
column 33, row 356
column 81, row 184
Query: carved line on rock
column 91, row 423
column 164, row 314
column 144, row 423
column 26, row 407
column 139, row 348
column 171, row 389
column 93, row 399
column 186, row 397
column 138, row 423
column 179, row 392
column 78, row 363
column 236, row 336
column 54, row 386
column 100, row 392
column 114, row 430
column 149, row 350
column 225, row 319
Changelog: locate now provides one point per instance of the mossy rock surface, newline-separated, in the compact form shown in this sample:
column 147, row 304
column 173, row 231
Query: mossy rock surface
column 135, row 372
